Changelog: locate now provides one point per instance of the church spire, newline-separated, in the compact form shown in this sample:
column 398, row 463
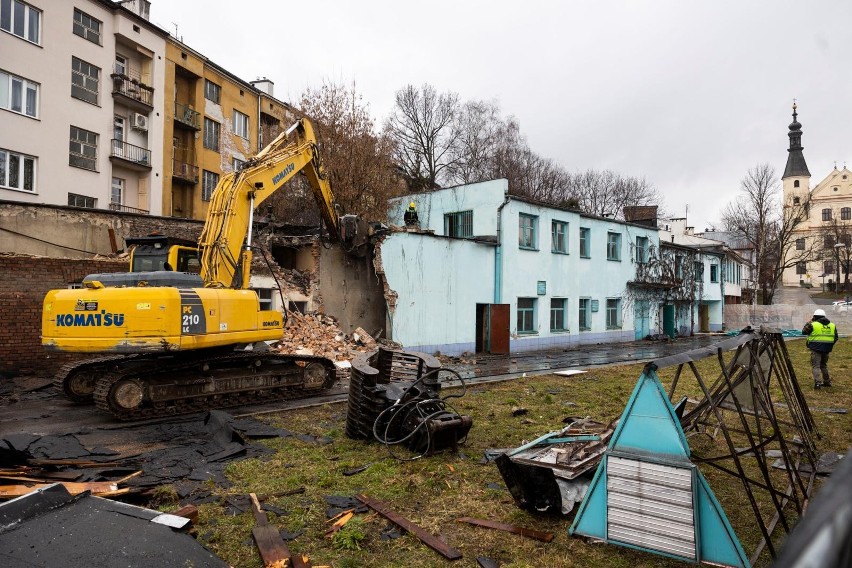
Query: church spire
column 796, row 165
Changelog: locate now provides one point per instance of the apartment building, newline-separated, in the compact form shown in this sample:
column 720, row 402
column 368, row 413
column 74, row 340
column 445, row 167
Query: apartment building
column 81, row 95
column 214, row 124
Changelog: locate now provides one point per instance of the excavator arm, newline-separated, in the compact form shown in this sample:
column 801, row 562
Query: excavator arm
column 225, row 243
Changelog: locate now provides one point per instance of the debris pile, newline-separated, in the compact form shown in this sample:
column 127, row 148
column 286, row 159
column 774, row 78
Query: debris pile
column 317, row 334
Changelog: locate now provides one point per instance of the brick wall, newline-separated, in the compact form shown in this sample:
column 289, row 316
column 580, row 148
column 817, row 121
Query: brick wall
column 24, row 281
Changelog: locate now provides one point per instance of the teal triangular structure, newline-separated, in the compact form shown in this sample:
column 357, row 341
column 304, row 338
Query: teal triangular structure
column 717, row 542
column 649, row 423
column 649, row 427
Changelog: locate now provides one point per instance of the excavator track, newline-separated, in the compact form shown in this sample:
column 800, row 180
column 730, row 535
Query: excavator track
column 178, row 386
column 76, row 380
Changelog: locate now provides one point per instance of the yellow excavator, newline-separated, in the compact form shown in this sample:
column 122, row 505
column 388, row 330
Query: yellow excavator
column 171, row 342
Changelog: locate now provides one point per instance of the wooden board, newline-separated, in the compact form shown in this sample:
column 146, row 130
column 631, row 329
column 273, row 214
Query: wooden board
column 529, row 533
column 273, row 551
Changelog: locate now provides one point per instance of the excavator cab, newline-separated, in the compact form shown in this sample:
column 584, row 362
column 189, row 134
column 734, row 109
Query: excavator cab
column 161, row 253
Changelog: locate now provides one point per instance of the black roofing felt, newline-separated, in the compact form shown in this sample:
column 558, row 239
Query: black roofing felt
column 51, row 528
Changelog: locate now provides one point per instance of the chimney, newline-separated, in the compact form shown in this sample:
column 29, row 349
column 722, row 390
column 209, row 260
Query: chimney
column 689, row 231
column 264, row 85
column 141, row 8
column 641, row 214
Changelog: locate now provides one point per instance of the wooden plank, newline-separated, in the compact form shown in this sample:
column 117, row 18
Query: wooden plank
column 96, row 487
column 529, row 533
column 187, row 512
column 273, row 551
column 429, row 540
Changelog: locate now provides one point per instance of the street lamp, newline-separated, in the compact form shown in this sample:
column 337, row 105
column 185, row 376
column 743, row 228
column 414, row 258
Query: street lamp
column 837, row 248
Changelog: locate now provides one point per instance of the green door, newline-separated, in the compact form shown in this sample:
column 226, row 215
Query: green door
column 669, row 320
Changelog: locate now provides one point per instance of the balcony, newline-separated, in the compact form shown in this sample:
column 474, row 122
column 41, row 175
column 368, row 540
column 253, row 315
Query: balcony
column 186, row 117
column 130, row 156
column 127, row 209
column 184, row 172
column 132, row 93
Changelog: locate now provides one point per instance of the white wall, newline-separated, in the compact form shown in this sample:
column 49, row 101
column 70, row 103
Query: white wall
column 482, row 198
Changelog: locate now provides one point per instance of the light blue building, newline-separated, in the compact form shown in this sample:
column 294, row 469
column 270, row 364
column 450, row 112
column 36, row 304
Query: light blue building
column 492, row 272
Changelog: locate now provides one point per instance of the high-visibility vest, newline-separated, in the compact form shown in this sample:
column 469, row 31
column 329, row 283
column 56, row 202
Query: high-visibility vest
column 822, row 333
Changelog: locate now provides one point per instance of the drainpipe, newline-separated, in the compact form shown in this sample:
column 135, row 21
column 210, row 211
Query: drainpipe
column 498, row 255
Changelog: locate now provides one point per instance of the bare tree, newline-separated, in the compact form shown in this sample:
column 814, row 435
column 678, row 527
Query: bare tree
column 422, row 126
column 835, row 238
column 770, row 226
column 606, row 193
column 479, row 131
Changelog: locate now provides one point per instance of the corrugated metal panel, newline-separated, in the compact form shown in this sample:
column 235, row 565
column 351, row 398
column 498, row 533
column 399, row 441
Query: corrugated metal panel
column 650, row 505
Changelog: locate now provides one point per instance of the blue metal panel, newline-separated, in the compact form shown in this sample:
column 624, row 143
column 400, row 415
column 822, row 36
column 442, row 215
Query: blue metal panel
column 591, row 517
column 717, row 541
column 649, row 423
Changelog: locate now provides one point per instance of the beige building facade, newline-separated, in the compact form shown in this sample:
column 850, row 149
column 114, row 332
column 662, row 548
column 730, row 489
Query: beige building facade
column 81, row 96
column 824, row 237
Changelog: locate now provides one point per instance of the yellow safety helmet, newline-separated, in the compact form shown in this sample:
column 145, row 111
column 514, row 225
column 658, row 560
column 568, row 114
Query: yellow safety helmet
column 411, row 205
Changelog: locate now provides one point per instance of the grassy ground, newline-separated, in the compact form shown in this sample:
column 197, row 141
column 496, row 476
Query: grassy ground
column 433, row 492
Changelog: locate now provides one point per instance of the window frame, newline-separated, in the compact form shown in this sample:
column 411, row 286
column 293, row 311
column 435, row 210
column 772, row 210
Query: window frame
column 26, row 26
column 209, row 126
column 112, row 190
column 585, row 242
column 21, row 175
column 800, row 244
column 613, row 246
column 84, row 77
column 208, row 178
column 613, row 310
column 240, row 122
column 85, row 29
column 558, row 311
column 643, row 250
column 87, row 202
column 826, row 214
column 828, row 267
column 714, row 273
column 24, row 86
column 527, row 234
column 81, row 154
column 801, row 268
column 459, row 224
column 698, row 270
column 845, row 213
column 526, row 311
column 237, row 164
column 559, row 236
column 212, row 91
column 584, row 314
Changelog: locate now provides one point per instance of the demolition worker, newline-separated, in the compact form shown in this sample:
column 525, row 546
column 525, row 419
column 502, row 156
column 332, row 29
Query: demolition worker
column 410, row 216
column 822, row 335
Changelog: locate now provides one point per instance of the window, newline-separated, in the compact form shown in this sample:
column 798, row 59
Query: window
column 828, row 267
column 526, row 315
column 557, row 314
column 642, row 250
column 846, row 213
column 87, row 27
column 714, row 273
column 800, row 244
column 121, row 65
column 18, row 95
column 241, row 124
column 237, row 164
column 699, row 271
column 559, row 237
column 17, row 171
column 796, row 183
column 212, row 91
column 211, row 134
column 84, row 81
column 459, row 224
column 20, row 19
column 613, row 313
column 527, row 225
column 75, row 200
column 801, row 268
column 613, row 246
column 796, row 201
column 826, row 214
column 264, row 295
column 117, row 191
column 585, row 242
column 83, row 149
column 585, row 314
column 828, row 242
column 678, row 267
column 209, row 181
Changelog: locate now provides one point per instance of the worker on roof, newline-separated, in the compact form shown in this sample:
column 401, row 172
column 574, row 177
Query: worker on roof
column 410, row 216
column 822, row 335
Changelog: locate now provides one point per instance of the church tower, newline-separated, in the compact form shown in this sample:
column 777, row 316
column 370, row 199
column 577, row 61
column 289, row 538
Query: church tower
column 796, row 179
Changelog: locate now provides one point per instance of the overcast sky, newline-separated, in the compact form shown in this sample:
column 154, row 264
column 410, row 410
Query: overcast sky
column 686, row 94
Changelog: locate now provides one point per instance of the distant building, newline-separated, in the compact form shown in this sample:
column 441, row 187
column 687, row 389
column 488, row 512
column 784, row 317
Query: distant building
column 827, row 208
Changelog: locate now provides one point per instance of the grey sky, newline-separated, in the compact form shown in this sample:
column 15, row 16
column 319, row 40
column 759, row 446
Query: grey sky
column 687, row 94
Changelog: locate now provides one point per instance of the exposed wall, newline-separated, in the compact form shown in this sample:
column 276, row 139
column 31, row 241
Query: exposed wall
column 24, row 281
column 78, row 233
column 350, row 291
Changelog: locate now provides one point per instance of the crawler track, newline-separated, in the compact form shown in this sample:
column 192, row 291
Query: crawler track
column 154, row 388
column 77, row 380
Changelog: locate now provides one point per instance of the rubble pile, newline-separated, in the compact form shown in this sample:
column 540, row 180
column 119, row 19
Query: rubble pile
column 317, row 334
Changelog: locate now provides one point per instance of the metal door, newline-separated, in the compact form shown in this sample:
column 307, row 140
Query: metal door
column 669, row 320
column 498, row 328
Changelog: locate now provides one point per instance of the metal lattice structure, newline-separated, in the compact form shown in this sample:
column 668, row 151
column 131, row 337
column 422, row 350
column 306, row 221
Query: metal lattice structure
column 756, row 406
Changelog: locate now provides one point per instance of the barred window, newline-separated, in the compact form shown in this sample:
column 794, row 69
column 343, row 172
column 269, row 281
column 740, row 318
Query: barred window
column 87, row 27
column 85, row 79
column 209, row 181
column 211, row 134
column 459, row 224
column 83, row 149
